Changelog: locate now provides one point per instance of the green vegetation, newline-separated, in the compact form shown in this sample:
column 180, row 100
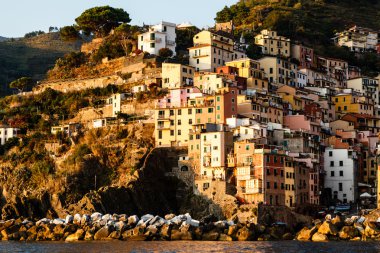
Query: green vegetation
column 312, row 22
column 69, row 33
column 21, row 84
column 101, row 20
column 33, row 34
column 165, row 53
column 31, row 57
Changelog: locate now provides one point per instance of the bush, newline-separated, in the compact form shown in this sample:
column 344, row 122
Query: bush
column 165, row 52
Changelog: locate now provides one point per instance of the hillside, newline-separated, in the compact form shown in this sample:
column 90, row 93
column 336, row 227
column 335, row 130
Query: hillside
column 31, row 57
column 311, row 21
column 3, row 38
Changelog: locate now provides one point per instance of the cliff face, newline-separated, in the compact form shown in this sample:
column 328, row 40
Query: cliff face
column 147, row 191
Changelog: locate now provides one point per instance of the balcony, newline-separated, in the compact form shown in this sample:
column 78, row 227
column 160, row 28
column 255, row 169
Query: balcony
column 161, row 127
column 157, row 40
column 163, row 117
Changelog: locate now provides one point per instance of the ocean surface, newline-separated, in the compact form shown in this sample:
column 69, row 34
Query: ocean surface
column 191, row 246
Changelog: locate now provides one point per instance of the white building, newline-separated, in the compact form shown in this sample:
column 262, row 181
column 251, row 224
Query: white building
column 7, row 133
column 357, row 39
column 159, row 36
column 301, row 79
column 365, row 85
column 116, row 100
column 176, row 75
column 341, row 168
column 212, row 50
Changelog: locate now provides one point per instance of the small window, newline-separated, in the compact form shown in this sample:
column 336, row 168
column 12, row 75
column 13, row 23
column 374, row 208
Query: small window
column 341, row 173
column 333, row 173
column 341, row 163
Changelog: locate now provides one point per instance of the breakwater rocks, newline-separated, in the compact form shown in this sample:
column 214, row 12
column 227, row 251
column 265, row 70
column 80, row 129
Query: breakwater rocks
column 354, row 228
column 147, row 227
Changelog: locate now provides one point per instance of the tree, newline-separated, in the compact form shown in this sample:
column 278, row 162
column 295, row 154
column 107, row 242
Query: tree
column 165, row 52
column 69, row 33
column 21, row 83
column 128, row 36
column 101, row 20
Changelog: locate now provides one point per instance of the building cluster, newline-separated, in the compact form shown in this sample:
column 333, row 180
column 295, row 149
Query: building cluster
column 358, row 39
column 290, row 128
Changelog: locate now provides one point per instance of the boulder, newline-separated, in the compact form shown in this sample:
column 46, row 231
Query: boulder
column 78, row 235
column 115, row 235
column 348, row 232
column 85, row 219
column 135, row 234
column 89, row 236
column 133, row 220
column 244, row 234
column 96, row 216
column 177, row 235
column 103, row 233
column 305, row 234
column 372, row 229
column 69, row 219
column 165, row 231
column 77, row 219
column 210, row 236
column 58, row 221
column 287, row 237
column 169, row 216
column 224, row 237
column 318, row 237
column 327, row 228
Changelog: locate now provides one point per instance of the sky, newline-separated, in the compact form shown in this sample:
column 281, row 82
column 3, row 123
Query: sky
column 18, row 17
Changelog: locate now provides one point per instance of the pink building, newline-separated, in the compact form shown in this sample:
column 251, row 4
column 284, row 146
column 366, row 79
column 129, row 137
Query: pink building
column 178, row 97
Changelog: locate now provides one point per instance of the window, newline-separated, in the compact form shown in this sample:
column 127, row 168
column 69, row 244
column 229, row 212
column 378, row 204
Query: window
column 331, row 163
column 190, row 121
column 333, row 173
column 179, row 122
column 330, row 153
column 268, row 185
column 246, row 147
column 341, row 163
column 218, row 108
column 340, row 187
column 171, row 112
column 171, row 132
column 172, row 122
column 215, row 148
column 179, row 112
column 275, row 185
column 271, row 70
column 152, row 45
column 190, row 111
column 210, row 110
column 218, row 99
column 341, row 173
column 160, row 134
column 179, row 132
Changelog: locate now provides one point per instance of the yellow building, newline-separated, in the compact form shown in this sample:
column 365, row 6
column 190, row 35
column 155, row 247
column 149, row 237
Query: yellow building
column 212, row 50
column 246, row 66
column 250, row 69
column 173, row 125
column 279, row 71
column 272, row 44
column 349, row 103
column 176, row 75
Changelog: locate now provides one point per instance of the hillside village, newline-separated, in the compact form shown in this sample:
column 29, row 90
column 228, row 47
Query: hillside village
column 290, row 128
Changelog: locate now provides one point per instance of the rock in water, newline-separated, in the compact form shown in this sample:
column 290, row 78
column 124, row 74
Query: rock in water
column 318, row 237
column 102, row 233
column 69, row 219
column 78, row 235
column 327, row 228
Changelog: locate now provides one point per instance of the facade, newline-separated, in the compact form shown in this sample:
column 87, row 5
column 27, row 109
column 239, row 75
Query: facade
column 176, row 75
column 272, row 44
column 159, row 36
column 341, row 171
column 212, row 50
column 357, row 39
column 279, row 71
column 303, row 54
column 6, row 133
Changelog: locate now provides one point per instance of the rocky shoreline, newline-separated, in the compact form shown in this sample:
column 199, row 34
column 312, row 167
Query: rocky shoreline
column 182, row 227
column 148, row 227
